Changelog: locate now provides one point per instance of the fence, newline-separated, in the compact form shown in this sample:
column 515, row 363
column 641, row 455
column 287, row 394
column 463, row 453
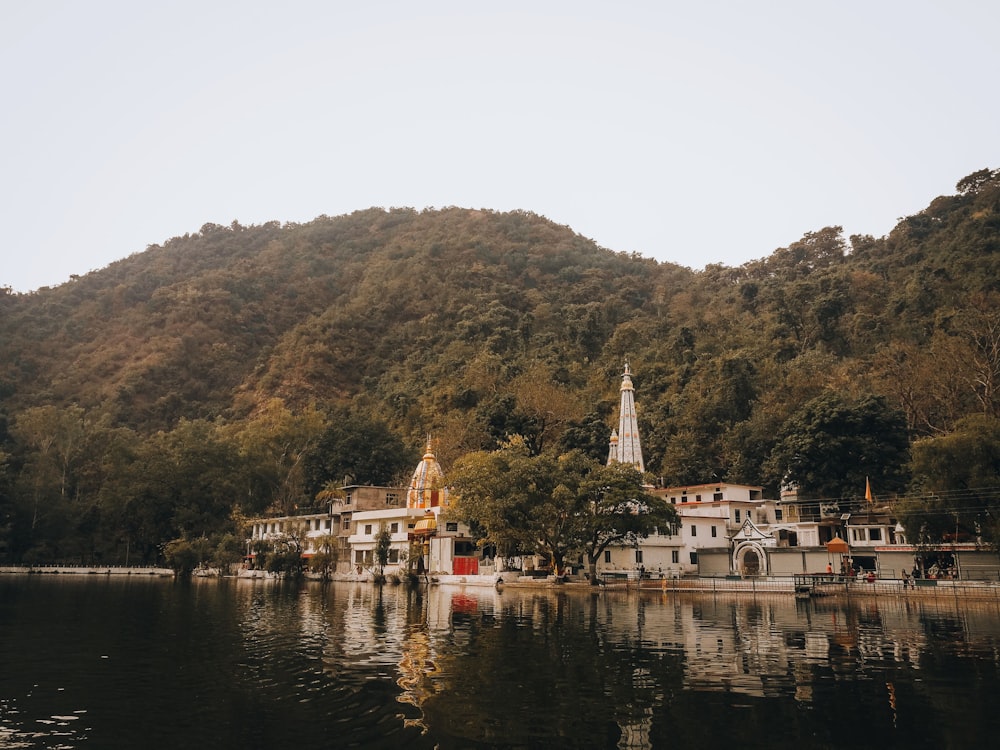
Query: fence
column 824, row 585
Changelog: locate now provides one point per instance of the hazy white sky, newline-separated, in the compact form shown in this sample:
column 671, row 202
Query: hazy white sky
column 692, row 132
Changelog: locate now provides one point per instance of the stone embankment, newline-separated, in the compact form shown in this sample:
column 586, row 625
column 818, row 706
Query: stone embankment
column 755, row 586
column 104, row 570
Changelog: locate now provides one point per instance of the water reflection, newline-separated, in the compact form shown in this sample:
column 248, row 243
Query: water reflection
column 253, row 663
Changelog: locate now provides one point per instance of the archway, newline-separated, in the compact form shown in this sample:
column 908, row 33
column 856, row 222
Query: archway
column 750, row 559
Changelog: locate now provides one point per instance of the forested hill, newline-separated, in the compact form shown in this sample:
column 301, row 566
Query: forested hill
column 472, row 325
column 412, row 312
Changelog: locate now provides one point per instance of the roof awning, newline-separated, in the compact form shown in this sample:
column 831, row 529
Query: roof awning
column 837, row 545
column 426, row 526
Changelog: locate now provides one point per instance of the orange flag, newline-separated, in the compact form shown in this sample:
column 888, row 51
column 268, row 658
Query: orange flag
column 868, row 490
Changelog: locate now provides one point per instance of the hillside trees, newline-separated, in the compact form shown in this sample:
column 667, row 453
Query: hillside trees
column 182, row 484
column 956, row 484
column 274, row 446
column 831, row 446
column 355, row 449
column 475, row 326
column 63, row 464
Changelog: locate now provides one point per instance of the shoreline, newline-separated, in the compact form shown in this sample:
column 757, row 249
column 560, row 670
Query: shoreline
column 753, row 586
column 105, row 570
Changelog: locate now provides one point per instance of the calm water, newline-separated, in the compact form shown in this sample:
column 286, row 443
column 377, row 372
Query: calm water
column 153, row 663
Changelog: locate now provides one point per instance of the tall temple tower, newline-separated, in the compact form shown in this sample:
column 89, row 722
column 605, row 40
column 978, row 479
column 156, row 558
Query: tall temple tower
column 624, row 447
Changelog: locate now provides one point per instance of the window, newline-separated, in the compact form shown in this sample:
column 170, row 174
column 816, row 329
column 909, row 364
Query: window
column 673, row 501
column 359, row 556
column 737, row 515
column 347, row 522
column 394, row 527
column 777, row 515
column 451, row 526
column 684, row 498
column 694, row 558
column 717, row 496
column 368, row 529
column 391, row 498
column 393, row 556
column 638, row 556
column 697, row 498
column 675, row 556
column 607, row 556
column 347, row 498
column 329, row 524
column 714, row 532
column 875, row 535
column 694, row 530
column 858, row 535
column 465, row 549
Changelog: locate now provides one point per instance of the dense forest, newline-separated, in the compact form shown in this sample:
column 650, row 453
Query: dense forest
column 247, row 369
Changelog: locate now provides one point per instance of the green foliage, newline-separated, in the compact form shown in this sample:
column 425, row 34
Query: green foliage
column 956, row 484
column 496, row 494
column 184, row 556
column 615, row 509
column 354, row 449
column 253, row 365
column 557, row 506
column 285, row 555
column 831, row 447
column 324, row 561
column 383, row 543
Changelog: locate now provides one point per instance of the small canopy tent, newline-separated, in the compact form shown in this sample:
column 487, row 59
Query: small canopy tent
column 837, row 546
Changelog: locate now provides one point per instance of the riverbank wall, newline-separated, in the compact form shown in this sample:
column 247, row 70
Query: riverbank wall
column 783, row 586
column 104, row 570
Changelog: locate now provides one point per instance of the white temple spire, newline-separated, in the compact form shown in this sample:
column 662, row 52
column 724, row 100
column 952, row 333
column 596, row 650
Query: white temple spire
column 624, row 447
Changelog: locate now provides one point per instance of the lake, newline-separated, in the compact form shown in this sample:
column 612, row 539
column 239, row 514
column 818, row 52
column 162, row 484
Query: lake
column 133, row 662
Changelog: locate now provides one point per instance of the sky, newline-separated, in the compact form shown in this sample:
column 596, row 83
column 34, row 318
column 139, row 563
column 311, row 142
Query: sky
column 690, row 132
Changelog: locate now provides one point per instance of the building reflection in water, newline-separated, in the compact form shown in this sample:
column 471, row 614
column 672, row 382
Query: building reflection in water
column 483, row 666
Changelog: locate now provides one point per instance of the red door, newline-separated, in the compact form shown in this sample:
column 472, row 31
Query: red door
column 466, row 566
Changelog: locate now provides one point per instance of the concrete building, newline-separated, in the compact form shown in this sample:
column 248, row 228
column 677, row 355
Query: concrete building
column 331, row 525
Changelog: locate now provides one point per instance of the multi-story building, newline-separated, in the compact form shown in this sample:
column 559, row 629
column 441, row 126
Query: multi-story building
column 330, row 525
column 350, row 525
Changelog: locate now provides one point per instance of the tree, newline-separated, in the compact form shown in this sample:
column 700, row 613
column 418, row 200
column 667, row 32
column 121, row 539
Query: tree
column 956, row 484
column 981, row 329
column 553, row 505
column 973, row 183
column 183, row 555
column 383, row 543
column 616, row 509
column 547, row 405
column 831, row 446
column 275, row 444
column 589, row 435
column 327, row 555
column 493, row 493
column 354, row 449
column 285, row 557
